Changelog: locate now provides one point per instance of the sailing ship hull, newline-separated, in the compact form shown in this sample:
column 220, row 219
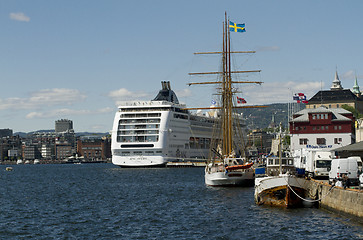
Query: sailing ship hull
column 243, row 177
column 281, row 191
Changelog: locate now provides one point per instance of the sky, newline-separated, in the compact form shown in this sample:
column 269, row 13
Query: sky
column 77, row 60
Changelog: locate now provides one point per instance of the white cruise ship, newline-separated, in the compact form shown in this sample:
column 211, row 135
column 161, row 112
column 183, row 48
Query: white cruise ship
column 152, row 133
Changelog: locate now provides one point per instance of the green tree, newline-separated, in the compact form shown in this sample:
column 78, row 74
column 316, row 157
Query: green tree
column 351, row 109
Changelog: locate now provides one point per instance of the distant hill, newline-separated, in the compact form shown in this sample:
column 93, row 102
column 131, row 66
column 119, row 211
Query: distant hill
column 256, row 118
column 24, row 134
column 262, row 117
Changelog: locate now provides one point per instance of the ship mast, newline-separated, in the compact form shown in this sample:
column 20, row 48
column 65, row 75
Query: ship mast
column 226, row 91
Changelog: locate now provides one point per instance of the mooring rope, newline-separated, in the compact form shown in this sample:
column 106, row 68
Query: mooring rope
column 308, row 200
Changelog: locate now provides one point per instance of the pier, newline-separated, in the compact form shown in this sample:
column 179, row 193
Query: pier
column 186, row 164
column 349, row 201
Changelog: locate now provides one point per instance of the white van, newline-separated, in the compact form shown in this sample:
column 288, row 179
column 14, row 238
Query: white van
column 348, row 166
column 359, row 161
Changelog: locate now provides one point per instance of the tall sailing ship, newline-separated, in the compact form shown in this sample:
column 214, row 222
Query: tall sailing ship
column 152, row 133
column 227, row 163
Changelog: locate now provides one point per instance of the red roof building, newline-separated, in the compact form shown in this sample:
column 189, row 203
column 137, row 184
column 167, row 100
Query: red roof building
column 322, row 128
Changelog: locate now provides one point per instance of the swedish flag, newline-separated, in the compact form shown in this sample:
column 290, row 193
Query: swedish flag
column 233, row 27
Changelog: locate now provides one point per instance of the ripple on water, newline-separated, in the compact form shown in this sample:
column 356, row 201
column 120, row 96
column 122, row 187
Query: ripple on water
column 100, row 201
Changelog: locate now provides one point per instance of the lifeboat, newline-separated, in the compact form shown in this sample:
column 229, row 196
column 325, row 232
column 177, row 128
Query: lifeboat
column 235, row 167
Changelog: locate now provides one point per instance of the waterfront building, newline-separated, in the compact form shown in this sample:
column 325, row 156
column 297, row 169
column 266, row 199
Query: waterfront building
column 259, row 142
column 7, row 144
column 63, row 150
column 94, row 148
column 337, row 96
column 47, row 151
column 31, row 152
column 13, row 154
column 322, row 128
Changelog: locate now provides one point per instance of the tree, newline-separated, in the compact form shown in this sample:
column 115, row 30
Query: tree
column 351, row 109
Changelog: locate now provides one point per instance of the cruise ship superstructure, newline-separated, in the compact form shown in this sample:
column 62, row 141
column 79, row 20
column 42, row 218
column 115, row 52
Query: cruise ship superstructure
column 152, row 133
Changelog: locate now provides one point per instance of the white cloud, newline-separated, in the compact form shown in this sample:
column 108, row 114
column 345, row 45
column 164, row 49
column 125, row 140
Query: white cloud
column 19, row 17
column 64, row 112
column 123, row 94
column 348, row 75
column 278, row 92
column 183, row 93
column 56, row 96
column 41, row 98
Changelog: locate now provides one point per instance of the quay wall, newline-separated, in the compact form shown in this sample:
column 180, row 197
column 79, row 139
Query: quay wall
column 348, row 201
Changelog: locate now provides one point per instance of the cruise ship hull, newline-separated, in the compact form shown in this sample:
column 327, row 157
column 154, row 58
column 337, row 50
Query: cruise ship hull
column 152, row 133
column 139, row 161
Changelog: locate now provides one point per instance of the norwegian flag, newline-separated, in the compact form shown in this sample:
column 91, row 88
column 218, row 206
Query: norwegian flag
column 241, row 100
column 300, row 98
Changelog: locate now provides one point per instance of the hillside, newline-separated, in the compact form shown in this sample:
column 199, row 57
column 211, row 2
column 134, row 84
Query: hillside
column 262, row 117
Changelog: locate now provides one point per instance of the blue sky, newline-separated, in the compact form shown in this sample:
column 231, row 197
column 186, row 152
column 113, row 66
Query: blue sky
column 78, row 59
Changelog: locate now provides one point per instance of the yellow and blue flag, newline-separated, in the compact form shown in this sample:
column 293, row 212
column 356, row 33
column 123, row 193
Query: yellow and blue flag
column 234, row 27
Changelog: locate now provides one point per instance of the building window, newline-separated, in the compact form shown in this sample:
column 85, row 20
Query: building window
column 335, row 127
column 337, row 105
column 340, row 127
column 326, row 116
column 303, row 141
column 314, row 116
column 329, row 105
column 337, row 140
column 314, row 128
column 320, row 141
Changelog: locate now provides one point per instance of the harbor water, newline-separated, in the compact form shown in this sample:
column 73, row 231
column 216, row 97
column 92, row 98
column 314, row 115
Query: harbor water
column 103, row 201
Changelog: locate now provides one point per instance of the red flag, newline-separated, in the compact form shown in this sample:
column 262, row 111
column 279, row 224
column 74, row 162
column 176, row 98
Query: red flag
column 241, row 100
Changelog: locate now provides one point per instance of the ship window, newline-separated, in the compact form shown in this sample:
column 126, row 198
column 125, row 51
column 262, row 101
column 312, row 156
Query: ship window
column 125, row 153
column 151, row 138
column 159, row 152
column 149, row 153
